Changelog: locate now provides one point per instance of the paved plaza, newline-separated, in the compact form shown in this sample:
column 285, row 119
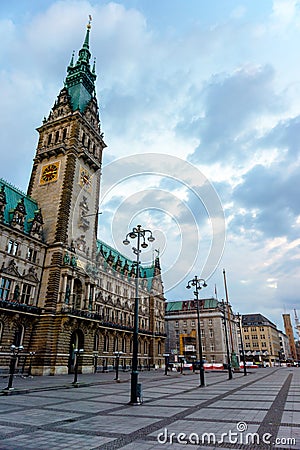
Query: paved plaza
column 259, row 411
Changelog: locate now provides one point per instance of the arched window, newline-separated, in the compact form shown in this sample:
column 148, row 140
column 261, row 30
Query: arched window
column 76, row 342
column 56, row 136
column 64, row 134
column 145, row 348
column 19, row 335
column 124, row 345
column 116, row 344
column 159, row 348
column 77, row 291
column 96, row 342
column 106, row 343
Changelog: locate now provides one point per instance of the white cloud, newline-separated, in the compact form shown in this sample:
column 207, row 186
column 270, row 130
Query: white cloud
column 223, row 90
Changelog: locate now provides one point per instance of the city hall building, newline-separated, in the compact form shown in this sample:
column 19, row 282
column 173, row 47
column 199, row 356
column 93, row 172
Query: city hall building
column 61, row 288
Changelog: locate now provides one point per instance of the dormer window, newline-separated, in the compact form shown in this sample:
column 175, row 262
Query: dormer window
column 18, row 214
column 12, row 247
column 2, row 202
column 37, row 222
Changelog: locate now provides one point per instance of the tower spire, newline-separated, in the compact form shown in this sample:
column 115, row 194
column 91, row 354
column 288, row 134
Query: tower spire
column 80, row 80
column 84, row 53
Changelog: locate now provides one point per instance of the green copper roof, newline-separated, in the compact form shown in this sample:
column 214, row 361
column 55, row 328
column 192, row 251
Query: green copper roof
column 13, row 197
column 107, row 250
column 80, row 80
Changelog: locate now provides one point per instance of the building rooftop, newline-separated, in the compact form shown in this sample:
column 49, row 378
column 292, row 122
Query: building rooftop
column 190, row 305
column 122, row 263
column 12, row 198
column 256, row 319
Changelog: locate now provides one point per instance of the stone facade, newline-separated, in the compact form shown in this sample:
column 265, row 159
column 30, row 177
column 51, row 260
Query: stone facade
column 261, row 339
column 61, row 288
column 182, row 331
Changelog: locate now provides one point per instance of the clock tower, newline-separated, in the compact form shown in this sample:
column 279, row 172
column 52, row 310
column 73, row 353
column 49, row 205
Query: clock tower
column 65, row 178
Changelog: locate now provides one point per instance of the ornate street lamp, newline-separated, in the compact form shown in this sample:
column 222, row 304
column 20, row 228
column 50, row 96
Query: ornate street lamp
column 242, row 343
column 77, row 353
column 223, row 310
column 140, row 234
column 12, row 367
column 198, row 284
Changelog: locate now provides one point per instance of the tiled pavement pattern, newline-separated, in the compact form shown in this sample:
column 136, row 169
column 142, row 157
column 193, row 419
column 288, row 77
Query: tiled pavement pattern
column 97, row 415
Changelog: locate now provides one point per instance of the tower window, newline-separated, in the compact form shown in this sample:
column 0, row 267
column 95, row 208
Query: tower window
column 49, row 138
column 56, row 136
column 83, row 138
column 12, row 247
column 31, row 254
column 5, row 288
column 26, row 293
column 64, row 134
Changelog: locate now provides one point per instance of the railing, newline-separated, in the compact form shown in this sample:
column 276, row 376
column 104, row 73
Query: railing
column 15, row 306
column 106, row 323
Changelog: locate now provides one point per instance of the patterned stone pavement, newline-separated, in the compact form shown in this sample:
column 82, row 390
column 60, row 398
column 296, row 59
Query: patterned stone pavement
column 260, row 411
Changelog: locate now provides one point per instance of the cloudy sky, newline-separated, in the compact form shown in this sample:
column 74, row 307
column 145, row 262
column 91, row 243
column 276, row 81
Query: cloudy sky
column 200, row 109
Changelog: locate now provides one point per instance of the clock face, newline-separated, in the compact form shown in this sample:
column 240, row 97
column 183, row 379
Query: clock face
column 85, row 178
column 49, row 173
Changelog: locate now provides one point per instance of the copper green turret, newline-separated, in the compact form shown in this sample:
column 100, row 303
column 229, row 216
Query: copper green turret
column 80, row 80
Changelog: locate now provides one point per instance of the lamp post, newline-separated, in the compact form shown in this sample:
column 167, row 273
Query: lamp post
column 223, row 310
column 167, row 356
column 140, row 234
column 77, row 353
column 31, row 355
column 117, row 355
column 242, row 343
column 14, row 356
column 198, row 284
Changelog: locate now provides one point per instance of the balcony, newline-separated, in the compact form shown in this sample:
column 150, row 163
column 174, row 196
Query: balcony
column 21, row 307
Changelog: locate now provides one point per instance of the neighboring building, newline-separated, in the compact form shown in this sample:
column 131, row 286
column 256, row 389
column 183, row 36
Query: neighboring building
column 289, row 332
column 261, row 340
column 284, row 347
column 182, row 330
column 60, row 287
column 297, row 343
